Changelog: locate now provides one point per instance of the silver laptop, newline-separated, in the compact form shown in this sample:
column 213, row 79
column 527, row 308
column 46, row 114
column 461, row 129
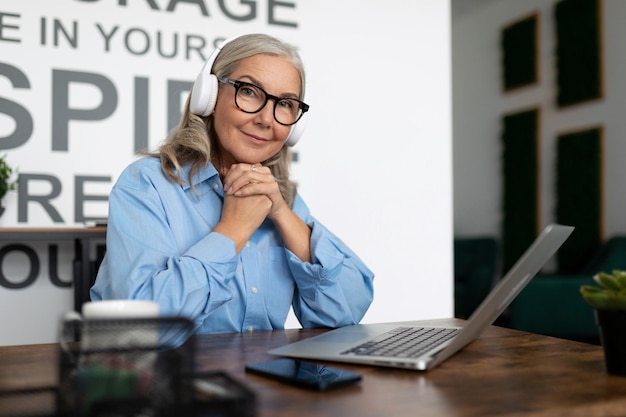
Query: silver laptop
column 423, row 348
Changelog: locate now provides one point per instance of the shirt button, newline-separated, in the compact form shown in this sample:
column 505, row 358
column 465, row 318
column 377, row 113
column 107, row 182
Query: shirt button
column 216, row 186
column 247, row 244
column 250, row 328
column 255, row 290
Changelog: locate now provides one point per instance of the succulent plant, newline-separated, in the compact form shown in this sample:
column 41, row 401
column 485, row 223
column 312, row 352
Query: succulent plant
column 7, row 182
column 611, row 293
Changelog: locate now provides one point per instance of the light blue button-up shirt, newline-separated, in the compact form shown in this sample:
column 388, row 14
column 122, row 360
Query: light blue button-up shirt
column 160, row 246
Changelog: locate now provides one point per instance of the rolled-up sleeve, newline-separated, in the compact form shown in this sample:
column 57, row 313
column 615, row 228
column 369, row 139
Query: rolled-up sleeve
column 336, row 288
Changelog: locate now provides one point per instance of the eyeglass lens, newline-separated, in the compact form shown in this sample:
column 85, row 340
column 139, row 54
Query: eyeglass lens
column 252, row 99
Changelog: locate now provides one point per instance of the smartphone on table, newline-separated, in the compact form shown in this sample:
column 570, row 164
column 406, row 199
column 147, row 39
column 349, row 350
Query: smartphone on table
column 304, row 374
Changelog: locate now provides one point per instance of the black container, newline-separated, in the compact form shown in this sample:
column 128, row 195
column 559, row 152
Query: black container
column 612, row 325
column 141, row 367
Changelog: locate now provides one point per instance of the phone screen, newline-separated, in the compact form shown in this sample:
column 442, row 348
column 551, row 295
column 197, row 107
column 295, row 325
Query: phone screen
column 304, row 374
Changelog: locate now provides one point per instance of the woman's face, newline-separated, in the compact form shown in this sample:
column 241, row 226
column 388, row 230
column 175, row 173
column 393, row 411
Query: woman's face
column 253, row 138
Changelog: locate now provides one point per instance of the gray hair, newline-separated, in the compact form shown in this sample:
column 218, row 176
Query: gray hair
column 246, row 46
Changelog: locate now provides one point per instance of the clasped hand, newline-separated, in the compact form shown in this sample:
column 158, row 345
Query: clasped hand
column 251, row 194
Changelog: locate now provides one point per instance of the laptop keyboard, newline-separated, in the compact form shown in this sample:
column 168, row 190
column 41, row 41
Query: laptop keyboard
column 404, row 342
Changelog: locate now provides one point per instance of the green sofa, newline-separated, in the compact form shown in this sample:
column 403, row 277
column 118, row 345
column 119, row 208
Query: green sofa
column 552, row 304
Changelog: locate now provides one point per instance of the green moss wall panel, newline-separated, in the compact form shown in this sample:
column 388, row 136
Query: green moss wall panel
column 578, row 56
column 520, row 182
column 519, row 53
column 579, row 195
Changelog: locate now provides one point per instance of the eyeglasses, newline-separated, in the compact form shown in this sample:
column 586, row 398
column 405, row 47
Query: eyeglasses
column 251, row 98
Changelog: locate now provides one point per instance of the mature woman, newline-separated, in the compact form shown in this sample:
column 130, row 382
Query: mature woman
column 211, row 226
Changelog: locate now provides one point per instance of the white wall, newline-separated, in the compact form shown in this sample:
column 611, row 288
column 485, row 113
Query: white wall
column 478, row 104
column 374, row 164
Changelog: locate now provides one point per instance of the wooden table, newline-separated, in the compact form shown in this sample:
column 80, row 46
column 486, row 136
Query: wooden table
column 505, row 372
column 82, row 237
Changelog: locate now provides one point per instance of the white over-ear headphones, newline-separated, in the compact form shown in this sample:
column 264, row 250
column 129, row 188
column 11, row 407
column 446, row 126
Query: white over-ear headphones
column 204, row 96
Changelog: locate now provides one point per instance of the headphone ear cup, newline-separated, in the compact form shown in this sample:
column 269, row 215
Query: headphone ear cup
column 297, row 130
column 203, row 94
column 204, row 90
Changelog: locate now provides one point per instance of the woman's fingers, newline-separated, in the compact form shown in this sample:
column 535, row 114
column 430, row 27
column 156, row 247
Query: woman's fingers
column 242, row 175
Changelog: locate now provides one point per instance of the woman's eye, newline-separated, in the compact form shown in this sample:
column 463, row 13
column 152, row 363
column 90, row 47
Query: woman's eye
column 248, row 91
column 287, row 104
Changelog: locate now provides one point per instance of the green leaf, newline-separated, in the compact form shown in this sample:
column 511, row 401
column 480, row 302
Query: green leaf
column 607, row 281
column 621, row 278
column 601, row 300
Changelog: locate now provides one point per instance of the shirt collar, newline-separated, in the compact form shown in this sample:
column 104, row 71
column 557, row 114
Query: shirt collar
column 205, row 173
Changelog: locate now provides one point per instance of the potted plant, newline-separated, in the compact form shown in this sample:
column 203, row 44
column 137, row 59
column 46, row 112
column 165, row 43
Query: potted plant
column 8, row 181
column 609, row 301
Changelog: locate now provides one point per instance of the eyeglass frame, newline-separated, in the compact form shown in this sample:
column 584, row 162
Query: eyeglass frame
column 238, row 84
